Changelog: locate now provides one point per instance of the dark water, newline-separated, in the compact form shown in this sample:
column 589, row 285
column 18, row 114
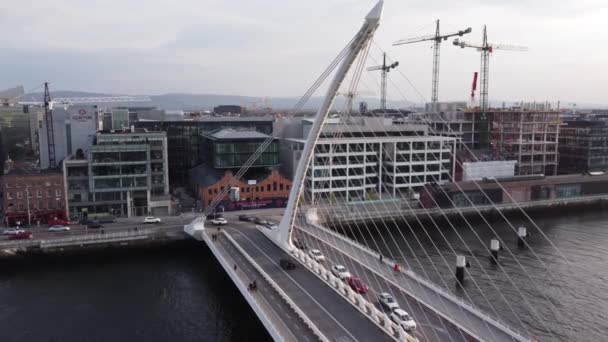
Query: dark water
column 175, row 293
column 550, row 296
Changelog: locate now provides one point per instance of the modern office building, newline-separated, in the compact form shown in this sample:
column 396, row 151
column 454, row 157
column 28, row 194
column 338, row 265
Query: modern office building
column 371, row 158
column 466, row 125
column 123, row 173
column 528, row 136
column 32, row 196
column 224, row 153
column 583, row 146
column 74, row 128
column 185, row 139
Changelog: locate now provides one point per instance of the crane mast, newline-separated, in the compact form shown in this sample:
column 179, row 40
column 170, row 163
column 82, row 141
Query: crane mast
column 48, row 120
column 385, row 69
column 437, row 38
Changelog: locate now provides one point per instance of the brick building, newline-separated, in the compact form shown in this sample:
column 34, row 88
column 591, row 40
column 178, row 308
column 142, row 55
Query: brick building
column 31, row 196
column 259, row 190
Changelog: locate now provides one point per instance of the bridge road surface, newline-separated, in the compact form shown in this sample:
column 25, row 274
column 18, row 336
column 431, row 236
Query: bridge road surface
column 331, row 247
column 298, row 331
column 336, row 318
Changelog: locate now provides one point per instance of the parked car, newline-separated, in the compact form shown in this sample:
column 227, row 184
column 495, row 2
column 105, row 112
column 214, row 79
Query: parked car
column 246, row 218
column 151, row 219
column 402, row 318
column 299, row 244
column 271, row 225
column 387, row 301
column 22, row 236
column 287, row 264
column 340, row 272
column 94, row 225
column 316, row 255
column 58, row 228
column 13, row 231
column 258, row 220
column 357, row 285
column 58, row 222
column 219, row 221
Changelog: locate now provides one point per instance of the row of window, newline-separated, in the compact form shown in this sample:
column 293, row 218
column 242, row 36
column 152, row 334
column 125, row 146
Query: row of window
column 29, row 185
column 269, row 187
column 40, row 205
column 19, row 194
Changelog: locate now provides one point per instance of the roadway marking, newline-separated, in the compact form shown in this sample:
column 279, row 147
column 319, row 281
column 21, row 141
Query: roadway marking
column 296, row 283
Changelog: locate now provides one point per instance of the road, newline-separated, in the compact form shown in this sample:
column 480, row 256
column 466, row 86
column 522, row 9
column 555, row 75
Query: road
column 334, row 316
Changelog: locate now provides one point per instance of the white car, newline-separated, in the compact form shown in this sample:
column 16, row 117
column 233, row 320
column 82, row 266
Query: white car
column 340, row 272
column 387, row 301
column 316, row 255
column 13, row 231
column 402, row 318
column 220, row 221
column 151, row 219
column 271, row 225
column 59, row 229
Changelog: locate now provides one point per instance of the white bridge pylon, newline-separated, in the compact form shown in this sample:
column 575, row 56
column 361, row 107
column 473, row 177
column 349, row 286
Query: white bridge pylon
column 282, row 236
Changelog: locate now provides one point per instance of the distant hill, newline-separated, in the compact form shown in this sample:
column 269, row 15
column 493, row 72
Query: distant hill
column 177, row 101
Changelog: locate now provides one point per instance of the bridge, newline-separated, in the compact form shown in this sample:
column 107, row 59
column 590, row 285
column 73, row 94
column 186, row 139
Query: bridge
column 309, row 302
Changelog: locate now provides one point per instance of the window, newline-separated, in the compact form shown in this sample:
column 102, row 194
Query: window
column 29, row 194
column 287, row 187
column 9, row 195
column 281, row 186
column 268, row 187
column 57, row 193
column 8, row 185
column 210, row 191
column 19, row 195
column 18, row 185
column 47, row 183
column 49, row 193
column 39, row 193
column 215, row 191
column 274, row 186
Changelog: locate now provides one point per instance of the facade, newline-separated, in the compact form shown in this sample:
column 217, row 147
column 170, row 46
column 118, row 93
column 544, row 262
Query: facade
column 228, row 109
column 528, row 136
column 74, row 128
column 469, row 126
column 185, row 139
column 231, row 148
column 122, row 174
column 120, row 119
column 372, row 158
column 583, row 146
column 32, row 196
column 16, row 131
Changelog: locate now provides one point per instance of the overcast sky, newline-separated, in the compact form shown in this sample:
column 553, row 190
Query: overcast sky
column 277, row 48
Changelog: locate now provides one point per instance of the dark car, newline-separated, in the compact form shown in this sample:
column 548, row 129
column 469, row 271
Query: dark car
column 246, row 218
column 299, row 244
column 94, row 225
column 22, row 236
column 260, row 221
column 287, row 264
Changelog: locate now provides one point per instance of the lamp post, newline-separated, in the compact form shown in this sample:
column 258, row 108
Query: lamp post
column 27, row 198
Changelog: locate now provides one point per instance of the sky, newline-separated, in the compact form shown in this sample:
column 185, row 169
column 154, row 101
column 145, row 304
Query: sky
column 278, row 48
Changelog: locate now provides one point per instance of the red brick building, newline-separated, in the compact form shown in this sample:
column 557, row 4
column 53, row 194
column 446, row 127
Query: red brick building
column 265, row 189
column 31, row 196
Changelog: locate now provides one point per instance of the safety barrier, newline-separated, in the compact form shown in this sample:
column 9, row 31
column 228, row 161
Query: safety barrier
column 278, row 289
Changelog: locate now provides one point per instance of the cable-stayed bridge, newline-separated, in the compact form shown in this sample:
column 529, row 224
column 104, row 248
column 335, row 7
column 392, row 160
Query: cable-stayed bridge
column 310, row 302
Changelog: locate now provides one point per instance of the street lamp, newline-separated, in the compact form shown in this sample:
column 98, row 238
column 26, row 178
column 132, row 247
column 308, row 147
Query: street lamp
column 27, row 198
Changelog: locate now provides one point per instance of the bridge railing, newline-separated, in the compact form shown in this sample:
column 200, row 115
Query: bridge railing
column 476, row 311
column 278, row 289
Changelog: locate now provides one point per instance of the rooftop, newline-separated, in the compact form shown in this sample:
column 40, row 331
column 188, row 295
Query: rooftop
column 20, row 168
column 524, row 181
column 238, row 134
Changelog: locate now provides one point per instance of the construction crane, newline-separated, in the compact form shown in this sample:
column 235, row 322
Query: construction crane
column 350, row 97
column 437, row 38
column 49, row 104
column 473, row 88
column 486, row 48
column 385, row 69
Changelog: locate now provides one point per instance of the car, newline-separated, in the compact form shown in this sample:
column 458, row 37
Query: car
column 271, row 225
column 287, row 264
column 340, row 272
column 258, row 220
column 94, row 225
column 21, row 236
column 357, row 285
column 316, row 255
column 58, row 222
column 246, row 218
column 387, row 301
column 299, row 244
column 58, row 228
column 13, row 231
column 404, row 320
column 151, row 219
column 219, row 221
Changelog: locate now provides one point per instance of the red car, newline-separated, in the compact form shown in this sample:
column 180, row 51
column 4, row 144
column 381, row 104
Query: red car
column 357, row 285
column 22, row 236
column 58, row 222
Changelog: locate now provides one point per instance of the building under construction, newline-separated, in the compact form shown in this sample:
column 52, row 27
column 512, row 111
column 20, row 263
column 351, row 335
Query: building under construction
column 529, row 136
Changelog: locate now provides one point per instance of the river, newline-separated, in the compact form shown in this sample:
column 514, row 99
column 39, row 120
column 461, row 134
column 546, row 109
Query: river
column 171, row 293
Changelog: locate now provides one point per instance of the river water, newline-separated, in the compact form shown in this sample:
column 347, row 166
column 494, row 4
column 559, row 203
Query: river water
column 548, row 292
column 173, row 293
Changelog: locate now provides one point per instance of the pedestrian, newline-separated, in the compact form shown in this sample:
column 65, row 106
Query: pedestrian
column 235, row 267
column 381, row 258
column 255, row 285
column 396, row 267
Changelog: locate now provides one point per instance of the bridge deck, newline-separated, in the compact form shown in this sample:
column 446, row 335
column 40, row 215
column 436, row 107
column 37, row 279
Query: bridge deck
column 419, row 297
column 337, row 319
